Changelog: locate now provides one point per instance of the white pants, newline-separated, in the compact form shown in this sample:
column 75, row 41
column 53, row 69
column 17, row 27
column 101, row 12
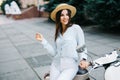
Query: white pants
column 67, row 71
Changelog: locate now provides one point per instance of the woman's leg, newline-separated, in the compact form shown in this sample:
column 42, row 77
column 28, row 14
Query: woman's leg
column 67, row 74
column 54, row 72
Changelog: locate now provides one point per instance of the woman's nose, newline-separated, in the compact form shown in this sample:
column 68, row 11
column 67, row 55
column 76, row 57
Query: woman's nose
column 65, row 16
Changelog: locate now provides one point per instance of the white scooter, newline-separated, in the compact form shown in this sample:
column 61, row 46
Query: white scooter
column 110, row 62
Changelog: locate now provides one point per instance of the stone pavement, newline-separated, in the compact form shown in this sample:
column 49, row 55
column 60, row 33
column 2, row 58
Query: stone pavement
column 24, row 58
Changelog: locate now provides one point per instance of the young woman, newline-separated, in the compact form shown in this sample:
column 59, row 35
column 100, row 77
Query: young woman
column 68, row 37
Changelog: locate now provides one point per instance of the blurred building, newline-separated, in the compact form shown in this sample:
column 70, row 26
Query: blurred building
column 1, row 2
column 26, row 3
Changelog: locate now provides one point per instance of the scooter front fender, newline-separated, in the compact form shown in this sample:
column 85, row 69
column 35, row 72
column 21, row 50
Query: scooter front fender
column 113, row 72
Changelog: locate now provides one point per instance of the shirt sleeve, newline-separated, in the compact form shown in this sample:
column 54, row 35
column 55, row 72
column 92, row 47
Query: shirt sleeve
column 81, row 43
column 50, row 48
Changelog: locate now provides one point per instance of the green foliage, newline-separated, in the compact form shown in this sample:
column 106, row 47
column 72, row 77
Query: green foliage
column 2, row 6
column 102, row 12
column 105, row 12
column 80, row 17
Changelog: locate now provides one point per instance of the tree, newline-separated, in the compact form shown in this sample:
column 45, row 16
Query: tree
column 104, row 12
column 80, row 17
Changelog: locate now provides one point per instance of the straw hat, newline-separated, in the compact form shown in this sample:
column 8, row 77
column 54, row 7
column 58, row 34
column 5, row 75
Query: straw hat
column 61, row 7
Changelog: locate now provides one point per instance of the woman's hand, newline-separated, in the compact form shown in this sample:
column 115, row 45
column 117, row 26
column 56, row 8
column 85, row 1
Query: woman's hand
column 84, row 64
column 39, row 37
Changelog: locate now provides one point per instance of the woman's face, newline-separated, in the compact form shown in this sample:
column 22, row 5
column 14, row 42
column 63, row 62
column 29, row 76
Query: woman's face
column 64, row 18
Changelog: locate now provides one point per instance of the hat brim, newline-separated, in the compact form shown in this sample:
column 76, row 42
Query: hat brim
column 61, row 7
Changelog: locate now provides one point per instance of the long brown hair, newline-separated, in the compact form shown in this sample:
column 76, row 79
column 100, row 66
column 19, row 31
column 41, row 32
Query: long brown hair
column 59, row 25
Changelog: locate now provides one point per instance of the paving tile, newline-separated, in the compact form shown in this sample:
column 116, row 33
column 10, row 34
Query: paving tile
column 29, row 50
column 23, row 74
column 7, row 54
column 42, row 60
column 12, row 66
column 5, row 43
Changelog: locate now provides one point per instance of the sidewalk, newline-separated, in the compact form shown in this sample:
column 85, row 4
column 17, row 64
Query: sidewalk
column 23, row 58
column 5, row 20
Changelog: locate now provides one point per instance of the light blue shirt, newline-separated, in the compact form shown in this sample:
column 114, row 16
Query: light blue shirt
column 66, row 44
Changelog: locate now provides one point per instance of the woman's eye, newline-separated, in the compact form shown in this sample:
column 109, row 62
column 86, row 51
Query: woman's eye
column 62, row 15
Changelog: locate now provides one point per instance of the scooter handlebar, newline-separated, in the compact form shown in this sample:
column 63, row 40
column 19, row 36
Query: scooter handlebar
column 104, row 60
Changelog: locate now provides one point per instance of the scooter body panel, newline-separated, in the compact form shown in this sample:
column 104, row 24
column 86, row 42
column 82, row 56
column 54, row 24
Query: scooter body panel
column 113, row 72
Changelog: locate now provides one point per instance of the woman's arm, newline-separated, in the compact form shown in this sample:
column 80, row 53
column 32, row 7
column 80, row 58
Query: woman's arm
column 81, row 48
column 81, row 43
column 45, row 44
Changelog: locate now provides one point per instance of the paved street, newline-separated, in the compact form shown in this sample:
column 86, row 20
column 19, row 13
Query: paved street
column 24, row 58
